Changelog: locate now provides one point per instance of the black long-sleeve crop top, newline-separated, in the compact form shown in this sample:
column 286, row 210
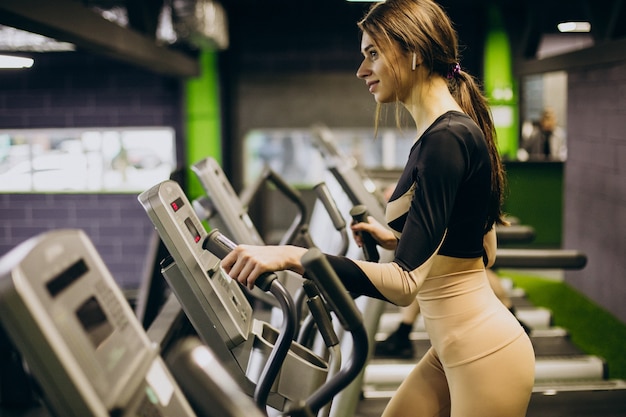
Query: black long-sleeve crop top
column 439, row 205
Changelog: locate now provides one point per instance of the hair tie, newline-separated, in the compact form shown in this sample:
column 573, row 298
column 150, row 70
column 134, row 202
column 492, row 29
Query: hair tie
column 454, row 71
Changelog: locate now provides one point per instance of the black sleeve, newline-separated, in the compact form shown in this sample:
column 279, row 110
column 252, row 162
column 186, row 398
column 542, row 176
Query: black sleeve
column 439, row 167
column 353, row 277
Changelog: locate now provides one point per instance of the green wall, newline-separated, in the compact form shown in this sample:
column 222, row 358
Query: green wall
column 535, row 196
column 499, row 84
column 203, row 118
column 535, row 190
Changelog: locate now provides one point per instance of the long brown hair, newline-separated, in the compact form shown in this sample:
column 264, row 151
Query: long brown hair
column 422, row 27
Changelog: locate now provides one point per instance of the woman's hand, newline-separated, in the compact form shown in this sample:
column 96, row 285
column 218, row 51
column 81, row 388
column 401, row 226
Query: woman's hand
column 246, row 263
column 381, row 234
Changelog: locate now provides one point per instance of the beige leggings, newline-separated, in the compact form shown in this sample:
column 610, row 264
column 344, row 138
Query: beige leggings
column 497, row 385
column 410, row 312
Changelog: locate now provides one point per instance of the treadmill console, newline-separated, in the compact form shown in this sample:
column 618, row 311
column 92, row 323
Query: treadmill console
column 204, row 289
column 78, row 334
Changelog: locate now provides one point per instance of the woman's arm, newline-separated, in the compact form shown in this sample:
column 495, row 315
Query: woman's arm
column 490, row 243
column 246, row 263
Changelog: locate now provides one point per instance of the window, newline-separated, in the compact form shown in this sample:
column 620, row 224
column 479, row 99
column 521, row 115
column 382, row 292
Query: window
column 543, row 135
column 293, row 154
column 85, row 160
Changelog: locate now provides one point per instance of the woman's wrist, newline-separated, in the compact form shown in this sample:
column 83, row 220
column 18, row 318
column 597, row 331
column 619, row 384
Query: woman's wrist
column 294, row 254
column 390, row 242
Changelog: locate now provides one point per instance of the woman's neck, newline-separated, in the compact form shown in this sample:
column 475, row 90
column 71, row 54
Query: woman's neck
column 430, row 99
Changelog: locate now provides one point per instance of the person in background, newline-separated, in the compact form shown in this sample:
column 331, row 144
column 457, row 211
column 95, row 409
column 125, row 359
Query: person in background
column 440, row 224
column 546, row 140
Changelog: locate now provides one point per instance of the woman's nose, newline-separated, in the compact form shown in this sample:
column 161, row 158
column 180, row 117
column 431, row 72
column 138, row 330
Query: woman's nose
column 363, row 70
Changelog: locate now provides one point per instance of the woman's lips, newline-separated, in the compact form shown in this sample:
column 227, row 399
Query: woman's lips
column 371, row 85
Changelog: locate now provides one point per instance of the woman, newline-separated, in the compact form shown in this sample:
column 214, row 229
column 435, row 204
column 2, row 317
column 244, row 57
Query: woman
column 440, row 217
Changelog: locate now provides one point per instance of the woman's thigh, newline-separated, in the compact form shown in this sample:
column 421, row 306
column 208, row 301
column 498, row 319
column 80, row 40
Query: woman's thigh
column 424, row 393
column 498, row 385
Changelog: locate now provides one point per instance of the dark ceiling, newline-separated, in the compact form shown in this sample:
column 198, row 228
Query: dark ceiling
column 274, row 25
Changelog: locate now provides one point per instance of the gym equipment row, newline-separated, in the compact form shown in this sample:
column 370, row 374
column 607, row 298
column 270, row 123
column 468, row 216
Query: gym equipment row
column 255, row 356
column 346, row 182
column 89, row 356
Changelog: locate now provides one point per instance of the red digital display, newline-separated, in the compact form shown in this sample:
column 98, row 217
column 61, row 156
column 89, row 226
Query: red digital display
column 177, row 204
column 192, row 229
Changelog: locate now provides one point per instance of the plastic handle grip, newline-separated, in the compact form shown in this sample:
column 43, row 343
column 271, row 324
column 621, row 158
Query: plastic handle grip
column 359, row 213
column 220, row 246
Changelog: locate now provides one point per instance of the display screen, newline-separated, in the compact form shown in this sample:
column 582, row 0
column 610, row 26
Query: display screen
column 177, row 204
column 94, row 321
column 67, row 277
column 192, row 229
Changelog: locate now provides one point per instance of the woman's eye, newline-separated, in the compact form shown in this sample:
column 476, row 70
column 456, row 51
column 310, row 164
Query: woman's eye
column 373, row 54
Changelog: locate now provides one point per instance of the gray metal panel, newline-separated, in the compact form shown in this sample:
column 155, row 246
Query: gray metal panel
column 232, row 216
column 75, row 329
column 211, row 299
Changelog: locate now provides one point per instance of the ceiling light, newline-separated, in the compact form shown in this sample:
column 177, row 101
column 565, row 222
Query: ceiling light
column 8, row 61
column 574, row 27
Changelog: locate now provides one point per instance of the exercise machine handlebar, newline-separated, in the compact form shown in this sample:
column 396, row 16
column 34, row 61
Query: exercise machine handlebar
column 515, row 233
column 318, row 268
column 323, row 194
column 320, row 314
column 288, row 191
column 359, row 213
column 220, row 246
column 540, row 259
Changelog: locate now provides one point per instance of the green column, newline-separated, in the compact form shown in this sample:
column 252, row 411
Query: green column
column 500, row 85
column 203, row 118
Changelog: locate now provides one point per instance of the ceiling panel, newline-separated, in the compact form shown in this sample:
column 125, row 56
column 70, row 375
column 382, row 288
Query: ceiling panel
column 275, row 25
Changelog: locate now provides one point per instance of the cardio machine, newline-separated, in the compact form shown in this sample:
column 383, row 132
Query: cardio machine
column 221, row 314
column 85, row 349
column 226, row 211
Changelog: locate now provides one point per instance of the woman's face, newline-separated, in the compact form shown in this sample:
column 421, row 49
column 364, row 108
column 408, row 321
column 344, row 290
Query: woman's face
column 376, row 72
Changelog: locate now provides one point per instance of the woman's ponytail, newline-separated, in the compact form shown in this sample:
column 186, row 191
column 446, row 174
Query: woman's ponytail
column 468, row 94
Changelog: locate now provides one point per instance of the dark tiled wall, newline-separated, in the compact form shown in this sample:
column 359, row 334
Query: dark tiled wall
column 116, row 224
column 80, row 90
column 595, row 183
